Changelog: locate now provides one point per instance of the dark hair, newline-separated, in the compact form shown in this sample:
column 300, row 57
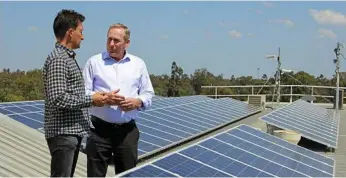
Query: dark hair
column 65, row 20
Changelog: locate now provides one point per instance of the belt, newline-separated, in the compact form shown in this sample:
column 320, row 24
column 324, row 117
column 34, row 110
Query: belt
column 97, row 119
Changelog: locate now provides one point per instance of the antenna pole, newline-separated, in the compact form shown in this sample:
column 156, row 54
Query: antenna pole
column 278, row 79
column 337, row 61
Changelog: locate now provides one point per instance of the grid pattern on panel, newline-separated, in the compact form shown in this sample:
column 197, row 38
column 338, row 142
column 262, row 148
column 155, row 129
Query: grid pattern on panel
column 29, row 113
column 313, row 122
column 163, row 127
column 239, row 152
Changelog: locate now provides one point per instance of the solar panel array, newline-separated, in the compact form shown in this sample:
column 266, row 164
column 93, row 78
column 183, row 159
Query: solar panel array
column 168, row 122
column 164, row 127
column 31, row 113
column 239, row 152
column 313, row 122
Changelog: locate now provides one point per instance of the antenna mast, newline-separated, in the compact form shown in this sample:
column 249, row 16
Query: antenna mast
column 337, row 62
column 278, row 78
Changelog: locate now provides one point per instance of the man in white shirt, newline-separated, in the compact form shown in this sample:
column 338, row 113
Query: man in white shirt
column 126, row 79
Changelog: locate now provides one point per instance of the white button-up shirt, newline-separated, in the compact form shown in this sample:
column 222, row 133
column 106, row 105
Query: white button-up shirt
column 130, row 75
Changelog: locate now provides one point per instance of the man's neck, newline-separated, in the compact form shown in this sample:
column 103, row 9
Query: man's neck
column 119, row 58
column 65, row 44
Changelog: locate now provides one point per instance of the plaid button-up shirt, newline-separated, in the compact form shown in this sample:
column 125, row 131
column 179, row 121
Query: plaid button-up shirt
column 65, row 99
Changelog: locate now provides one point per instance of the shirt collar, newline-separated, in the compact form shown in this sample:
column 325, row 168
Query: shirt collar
column 105, row 55
column 70, row 52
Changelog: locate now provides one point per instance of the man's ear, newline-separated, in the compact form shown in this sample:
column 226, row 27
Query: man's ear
column 127, row 43
column 69, row 33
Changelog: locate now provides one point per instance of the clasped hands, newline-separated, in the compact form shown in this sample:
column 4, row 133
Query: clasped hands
column 115, row 99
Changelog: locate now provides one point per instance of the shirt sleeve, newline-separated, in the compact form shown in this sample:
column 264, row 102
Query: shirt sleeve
column 57, row 96
column 146, row 90
column 88, row 78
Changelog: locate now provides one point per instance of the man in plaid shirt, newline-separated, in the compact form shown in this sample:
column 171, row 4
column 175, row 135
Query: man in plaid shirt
column 66, row 118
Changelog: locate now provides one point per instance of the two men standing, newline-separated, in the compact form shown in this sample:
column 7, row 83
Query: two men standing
column 115, row 86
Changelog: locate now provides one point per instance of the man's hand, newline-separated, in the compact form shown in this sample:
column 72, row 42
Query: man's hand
column 114, row 98
column 99, row 99
column 130, row 104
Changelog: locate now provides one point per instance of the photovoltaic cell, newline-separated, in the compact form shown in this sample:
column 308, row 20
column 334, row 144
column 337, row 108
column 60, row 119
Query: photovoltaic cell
column 313, row 122
column 239, row 152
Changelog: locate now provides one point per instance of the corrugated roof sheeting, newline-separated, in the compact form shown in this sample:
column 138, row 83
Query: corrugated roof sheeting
column 24, row 152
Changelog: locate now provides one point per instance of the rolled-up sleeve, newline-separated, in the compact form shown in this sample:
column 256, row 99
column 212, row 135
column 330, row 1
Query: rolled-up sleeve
column 146, row 90
column 57, row 75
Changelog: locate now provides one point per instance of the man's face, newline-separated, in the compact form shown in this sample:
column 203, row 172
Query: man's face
column 76, row 36
column 116, row 44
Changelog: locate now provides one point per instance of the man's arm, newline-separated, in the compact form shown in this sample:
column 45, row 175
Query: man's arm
column 146, row 90
column 88, row 78
column 57, row 74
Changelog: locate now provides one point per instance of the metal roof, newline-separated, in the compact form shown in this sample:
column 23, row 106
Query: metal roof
column 24, row 152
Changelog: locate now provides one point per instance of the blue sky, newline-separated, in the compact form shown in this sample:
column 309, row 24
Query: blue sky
column 229, row 38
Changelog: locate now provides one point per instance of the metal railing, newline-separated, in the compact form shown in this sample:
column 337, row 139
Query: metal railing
column 290, row 95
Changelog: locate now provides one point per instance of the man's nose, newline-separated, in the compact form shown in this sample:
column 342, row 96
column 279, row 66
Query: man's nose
column 112, row 43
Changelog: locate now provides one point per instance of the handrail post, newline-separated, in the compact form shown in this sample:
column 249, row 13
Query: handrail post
column 215, row 92
column 291, row 96
column 312, row 91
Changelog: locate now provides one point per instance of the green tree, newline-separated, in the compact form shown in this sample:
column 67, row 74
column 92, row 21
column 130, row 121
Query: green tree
column 174, row 81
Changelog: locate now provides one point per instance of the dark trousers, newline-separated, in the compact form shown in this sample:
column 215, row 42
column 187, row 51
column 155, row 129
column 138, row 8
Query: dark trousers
column 64, row 150
column 107, row 139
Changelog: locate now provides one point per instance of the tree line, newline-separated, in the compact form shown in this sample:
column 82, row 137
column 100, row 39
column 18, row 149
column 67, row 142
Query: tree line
column 28, row 85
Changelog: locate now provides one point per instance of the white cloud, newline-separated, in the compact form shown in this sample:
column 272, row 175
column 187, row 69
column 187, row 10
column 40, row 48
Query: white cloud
column 235, row 34
column 328, row 17
column 287, row 22
column 32, row 29
column 326, row 33
column 163, row 37
column 268, row 4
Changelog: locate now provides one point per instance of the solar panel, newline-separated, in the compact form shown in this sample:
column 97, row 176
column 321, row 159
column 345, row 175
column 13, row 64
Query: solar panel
column 239, row 152
column 29, row 113
column 159, row 102
column 163, row 127
column 311, row 121
column 156, row 97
